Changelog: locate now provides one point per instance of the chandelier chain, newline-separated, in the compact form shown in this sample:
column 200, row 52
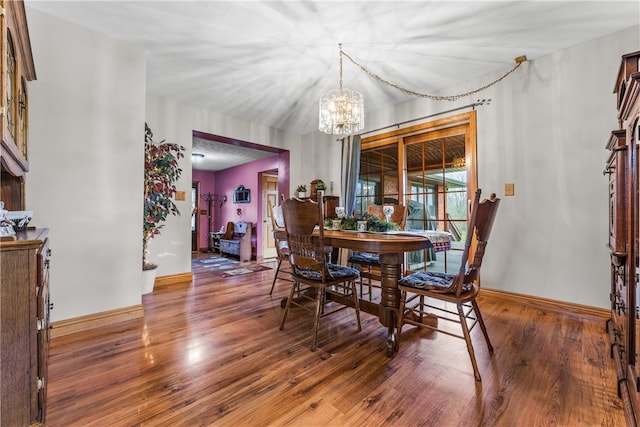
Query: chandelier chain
column 340, row 56
column 418, row 94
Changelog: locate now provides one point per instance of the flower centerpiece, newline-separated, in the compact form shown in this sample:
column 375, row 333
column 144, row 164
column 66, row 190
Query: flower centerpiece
column 161, row 172
column 373, row 223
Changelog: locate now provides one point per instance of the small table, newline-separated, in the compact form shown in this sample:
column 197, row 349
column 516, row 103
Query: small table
column 391, row 247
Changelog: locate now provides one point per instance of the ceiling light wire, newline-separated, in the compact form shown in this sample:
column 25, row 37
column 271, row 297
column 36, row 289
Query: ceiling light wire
column 519, row 60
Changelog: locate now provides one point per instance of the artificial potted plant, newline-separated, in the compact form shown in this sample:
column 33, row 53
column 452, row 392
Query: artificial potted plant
column 320, row 189
column 161, row 172
column 301, row 190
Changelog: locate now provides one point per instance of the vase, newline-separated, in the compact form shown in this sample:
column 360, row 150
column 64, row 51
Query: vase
column 148, row 280
column 302, row 194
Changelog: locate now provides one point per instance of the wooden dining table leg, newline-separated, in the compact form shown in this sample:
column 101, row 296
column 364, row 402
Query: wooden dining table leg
column 391, row 269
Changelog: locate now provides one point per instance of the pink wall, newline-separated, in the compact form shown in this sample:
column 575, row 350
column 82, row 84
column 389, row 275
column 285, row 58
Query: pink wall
column 224, row 182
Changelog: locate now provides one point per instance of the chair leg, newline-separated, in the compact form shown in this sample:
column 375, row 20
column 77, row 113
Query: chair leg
column 276, row 276
column 356, row 304
column 481, row 321
column 316, row 319
column 403, row 303
column 467, row 338
column 359, row 268
column 288, row 306
column 369, row 281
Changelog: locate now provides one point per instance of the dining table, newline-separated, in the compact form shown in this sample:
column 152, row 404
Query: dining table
column 391, row 247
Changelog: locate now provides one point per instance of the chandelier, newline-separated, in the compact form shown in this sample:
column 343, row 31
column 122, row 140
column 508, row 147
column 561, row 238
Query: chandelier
column 341, row 110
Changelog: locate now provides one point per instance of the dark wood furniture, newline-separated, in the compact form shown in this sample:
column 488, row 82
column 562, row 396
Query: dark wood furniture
column 391, row 248
column 16, row 69
column 624, row 235
column 24, row 283
column 459, row 290
column 313, row 276
column 330, row 205
column 24, row 328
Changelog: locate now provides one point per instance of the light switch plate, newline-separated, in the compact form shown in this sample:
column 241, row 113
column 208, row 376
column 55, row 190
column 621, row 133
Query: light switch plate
column 509, row 189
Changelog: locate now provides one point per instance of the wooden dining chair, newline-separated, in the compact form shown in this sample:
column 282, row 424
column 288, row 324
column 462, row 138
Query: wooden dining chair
column 368, row 263
column 314, row 277
column 282, row 248
column 459, row 289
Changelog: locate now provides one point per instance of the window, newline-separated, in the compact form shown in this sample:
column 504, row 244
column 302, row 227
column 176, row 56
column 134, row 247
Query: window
column 379, row 181
column 431, row 169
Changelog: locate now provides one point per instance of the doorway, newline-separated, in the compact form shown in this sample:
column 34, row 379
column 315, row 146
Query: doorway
column 269, row 194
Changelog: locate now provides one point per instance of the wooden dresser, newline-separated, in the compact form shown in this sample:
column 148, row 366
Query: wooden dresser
column 624, row 236
column 24, row 328
column 24, row 260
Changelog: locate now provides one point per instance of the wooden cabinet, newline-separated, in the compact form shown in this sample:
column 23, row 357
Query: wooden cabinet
column 330, row 205
column 624, row 236
column 24, row 328
column 24, row 261
column 16, row 69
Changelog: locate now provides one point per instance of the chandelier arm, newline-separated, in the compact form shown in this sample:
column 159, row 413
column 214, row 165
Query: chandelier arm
column 424, row 95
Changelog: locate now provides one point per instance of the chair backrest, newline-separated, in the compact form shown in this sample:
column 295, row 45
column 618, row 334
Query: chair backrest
column 399, row 215
column 275, row 212
column 483, row 214
column 277, row 221
column 306, row 252
column 228, row 232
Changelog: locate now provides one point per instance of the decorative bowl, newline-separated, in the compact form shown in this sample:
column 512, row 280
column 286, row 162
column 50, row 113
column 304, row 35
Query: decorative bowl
column 19, row 219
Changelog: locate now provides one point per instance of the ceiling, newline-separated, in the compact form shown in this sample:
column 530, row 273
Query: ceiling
column 221, row 155
column 269, row 62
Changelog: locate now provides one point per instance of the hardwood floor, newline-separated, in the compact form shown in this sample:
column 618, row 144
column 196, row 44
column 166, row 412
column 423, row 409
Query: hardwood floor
column 210, row 353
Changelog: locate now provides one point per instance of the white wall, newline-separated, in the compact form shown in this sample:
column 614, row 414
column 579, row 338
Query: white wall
column 87, row 111
column 545, row 130
column 175, row 123
column 319, row 159
column 86, row 146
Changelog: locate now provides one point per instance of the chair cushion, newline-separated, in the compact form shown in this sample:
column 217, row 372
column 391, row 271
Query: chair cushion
column 336, row 271
column 364, row 258
column 431, row 280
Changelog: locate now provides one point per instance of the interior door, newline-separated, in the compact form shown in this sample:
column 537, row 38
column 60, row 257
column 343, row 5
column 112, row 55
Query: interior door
column 195, row 224
column 269, row 194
